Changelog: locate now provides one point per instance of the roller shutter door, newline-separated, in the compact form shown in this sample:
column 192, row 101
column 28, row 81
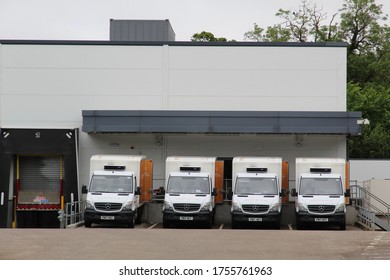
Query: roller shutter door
column 39, row 181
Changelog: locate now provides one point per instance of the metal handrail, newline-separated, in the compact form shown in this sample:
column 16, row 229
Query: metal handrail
column 360, row 196
column 367, row 193
column 74, row 213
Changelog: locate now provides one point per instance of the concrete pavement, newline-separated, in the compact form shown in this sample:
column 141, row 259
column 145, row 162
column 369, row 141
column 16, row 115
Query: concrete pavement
column 147, row 242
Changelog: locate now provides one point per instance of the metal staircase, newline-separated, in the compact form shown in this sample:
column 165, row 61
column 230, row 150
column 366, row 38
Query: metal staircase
column 373, row 212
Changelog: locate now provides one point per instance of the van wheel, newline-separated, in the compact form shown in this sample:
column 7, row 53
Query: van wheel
column 165, row 223
column 139, row 215
column 131, row 224
column 209, row 223
column 235, row 224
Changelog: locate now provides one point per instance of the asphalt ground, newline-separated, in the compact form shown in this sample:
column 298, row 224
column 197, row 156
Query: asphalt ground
column 152, row 242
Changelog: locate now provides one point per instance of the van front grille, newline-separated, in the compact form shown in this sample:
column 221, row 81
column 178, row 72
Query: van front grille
column 186, row 207
column 255, row 208
column 108, row 206
column 321, row 208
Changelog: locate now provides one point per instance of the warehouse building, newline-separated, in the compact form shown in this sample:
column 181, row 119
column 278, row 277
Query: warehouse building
column 63, row 101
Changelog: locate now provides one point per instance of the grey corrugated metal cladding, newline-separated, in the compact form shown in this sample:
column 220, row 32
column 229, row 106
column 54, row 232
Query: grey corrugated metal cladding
column 141, row 30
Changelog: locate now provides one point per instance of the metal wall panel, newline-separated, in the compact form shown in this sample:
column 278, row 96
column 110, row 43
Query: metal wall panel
column 141, row 30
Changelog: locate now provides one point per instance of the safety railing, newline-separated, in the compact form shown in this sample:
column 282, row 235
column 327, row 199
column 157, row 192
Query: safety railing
column 72, row 214
column 373, row 211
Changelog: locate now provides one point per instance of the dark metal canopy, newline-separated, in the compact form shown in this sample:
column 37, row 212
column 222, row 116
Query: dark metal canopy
column 218, row 122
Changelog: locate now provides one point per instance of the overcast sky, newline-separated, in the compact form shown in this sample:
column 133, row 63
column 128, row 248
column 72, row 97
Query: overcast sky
column 89, row 19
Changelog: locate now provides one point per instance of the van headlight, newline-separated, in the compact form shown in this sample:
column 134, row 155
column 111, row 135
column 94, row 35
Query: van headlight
column 340, row 208
column 236, row 207
column 206, row 206
column 128, row 206
column 88, row 205
column 274, row 207
column 167, row 206
column 302, row 207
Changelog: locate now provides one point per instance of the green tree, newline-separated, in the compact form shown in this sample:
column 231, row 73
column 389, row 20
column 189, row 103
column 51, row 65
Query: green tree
column 360, row 24
column 363, row 26
column 308, row 23
column 205, row 36
column 373, row 101
column 369, row 41
column 274, row 33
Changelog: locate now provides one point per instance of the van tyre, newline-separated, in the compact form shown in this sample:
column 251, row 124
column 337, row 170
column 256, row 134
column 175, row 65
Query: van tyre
column 165, row 223
column 131, row 224
column 235, row 224
column 299, row 225
column 209, row 223
column 139, row 215
column 277, row 224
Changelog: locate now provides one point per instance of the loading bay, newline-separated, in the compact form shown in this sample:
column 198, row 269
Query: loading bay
column 153, row 242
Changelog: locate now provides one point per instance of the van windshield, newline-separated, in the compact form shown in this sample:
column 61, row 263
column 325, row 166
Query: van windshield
column 188, row 185
column 111, row 184
column 263, row 186
column 321, row 186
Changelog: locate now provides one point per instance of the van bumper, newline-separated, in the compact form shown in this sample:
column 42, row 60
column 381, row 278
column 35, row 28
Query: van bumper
column 336, row 218
column 241, row 217
column 125, row 217
column 175, row 217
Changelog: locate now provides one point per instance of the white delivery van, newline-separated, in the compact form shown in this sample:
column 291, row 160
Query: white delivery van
column 257, row 191
column 189, row 190
column 119, row 186
column 320, row 192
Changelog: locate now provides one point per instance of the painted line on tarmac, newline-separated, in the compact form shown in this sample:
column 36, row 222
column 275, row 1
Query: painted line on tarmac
column 290, row 227
column 152, row 226
column 221, row 226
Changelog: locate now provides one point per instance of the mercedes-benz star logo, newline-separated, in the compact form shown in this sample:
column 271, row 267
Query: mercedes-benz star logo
column 321, row 208
column 107, row 206
column 255, row 208
column 186, row 207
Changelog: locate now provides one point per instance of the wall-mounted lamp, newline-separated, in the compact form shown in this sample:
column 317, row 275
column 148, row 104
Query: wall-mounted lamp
column 363, row 122
column 298, row 141
column 158, row 140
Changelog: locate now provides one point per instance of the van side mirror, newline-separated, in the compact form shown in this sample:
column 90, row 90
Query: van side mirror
column 294, row 192
column 284, row 192
column 347, row 193
column 84, row 189
column 214, row 192
column 137, row 191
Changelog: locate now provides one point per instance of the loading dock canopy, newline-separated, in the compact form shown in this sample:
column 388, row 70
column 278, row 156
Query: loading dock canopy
column 244, row 122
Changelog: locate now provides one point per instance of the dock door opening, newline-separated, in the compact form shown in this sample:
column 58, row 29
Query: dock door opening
column 38, row 190
column 227, row 177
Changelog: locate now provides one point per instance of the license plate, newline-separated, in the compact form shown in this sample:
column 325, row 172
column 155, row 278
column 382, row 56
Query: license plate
column 320, row 219
column 186, row 218
column 255, row 219
column 107, row 217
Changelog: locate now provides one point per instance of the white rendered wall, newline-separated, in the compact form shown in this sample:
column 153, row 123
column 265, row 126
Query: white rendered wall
column 48, row 86
column 364, row 170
